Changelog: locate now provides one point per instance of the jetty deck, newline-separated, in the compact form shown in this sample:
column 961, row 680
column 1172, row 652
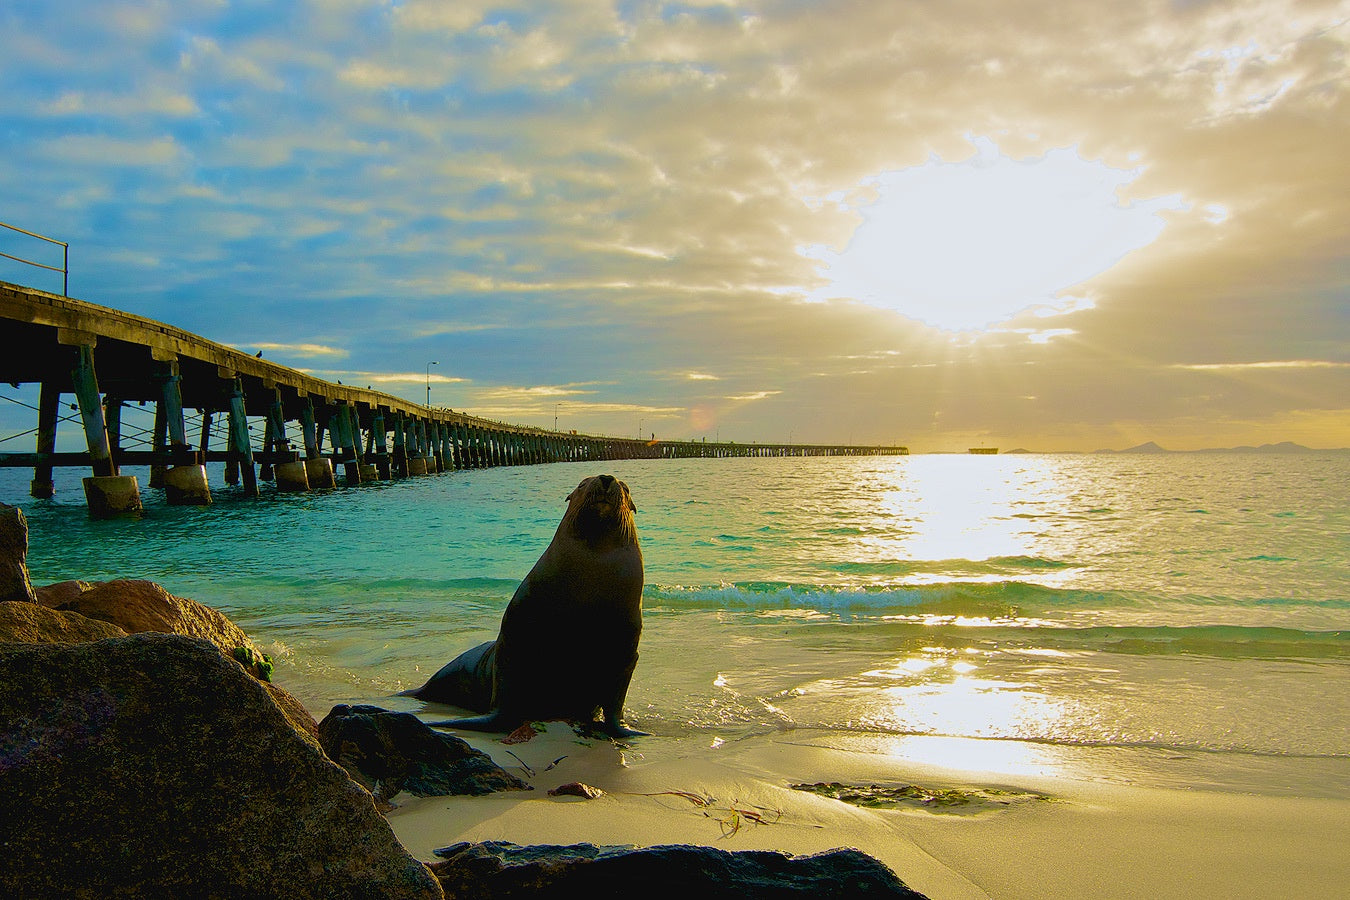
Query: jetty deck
column 310, row 428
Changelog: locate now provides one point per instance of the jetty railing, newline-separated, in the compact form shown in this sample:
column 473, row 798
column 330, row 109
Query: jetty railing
column 114, row 363
column 65, row 256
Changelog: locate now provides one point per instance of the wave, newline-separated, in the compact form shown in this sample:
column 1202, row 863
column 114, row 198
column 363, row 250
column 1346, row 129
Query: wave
column 1018, row 617
column 1000, row 598
column 868, row 729
column 997, row 565
column 966, row 596
column 1226, row 641
column 1011, row 615
column 381, row 585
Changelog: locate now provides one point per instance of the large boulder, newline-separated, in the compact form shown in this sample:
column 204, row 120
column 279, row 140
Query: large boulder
column 55, row 595
column 294, row 711
column 34, row 623
column 152, row 766
column 501, row 870
column 14, row 583
column 53, row 619
column 387, row 752
column 136, row 606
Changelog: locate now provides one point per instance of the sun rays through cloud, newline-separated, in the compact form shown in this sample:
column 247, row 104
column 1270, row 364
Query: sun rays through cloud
column 969, row 244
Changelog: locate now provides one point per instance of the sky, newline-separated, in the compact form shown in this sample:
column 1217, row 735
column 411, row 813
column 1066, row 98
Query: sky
column 1011, row 223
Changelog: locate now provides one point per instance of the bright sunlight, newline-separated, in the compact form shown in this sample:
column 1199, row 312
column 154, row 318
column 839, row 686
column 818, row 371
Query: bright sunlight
column 966, row 245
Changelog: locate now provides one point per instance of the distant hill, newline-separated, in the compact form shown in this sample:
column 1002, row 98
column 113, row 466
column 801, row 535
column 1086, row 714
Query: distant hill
column 1148, row 447
column 1281, row 447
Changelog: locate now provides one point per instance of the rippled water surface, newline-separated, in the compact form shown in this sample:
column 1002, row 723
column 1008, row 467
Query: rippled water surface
column 1190, row 610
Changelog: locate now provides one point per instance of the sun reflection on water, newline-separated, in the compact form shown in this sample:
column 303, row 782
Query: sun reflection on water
column 977, row 755
column 970, row 707
column 946, row 511
column 940, row 695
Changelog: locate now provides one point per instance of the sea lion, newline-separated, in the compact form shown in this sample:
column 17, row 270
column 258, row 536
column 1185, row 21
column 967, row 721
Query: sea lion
column 568, row 641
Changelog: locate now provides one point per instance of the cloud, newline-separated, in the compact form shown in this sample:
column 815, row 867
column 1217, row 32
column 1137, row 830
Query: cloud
column 616, row 195
column 152, row 103
column 100, row 150
column 302, row 350
column 1273, row 364
column 753, row 395
column 350, row 376
column 537, row 392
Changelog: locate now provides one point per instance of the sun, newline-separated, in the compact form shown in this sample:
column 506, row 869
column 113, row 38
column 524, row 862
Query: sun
column 967, row 245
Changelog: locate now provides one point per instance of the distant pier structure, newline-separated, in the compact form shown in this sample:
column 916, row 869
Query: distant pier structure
column 312, row 430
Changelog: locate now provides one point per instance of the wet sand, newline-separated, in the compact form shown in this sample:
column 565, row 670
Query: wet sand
column 992, row 835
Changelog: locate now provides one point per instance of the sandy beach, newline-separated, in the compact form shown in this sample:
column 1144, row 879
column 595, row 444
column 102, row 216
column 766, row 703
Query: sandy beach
column 1117, row 726
column 1026, row 835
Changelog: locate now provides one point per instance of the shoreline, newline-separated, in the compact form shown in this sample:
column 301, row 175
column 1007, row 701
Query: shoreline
column 1130, row 818
column 1023, row 835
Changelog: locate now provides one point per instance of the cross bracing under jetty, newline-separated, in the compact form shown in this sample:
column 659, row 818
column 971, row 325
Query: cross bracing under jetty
column 311, row 429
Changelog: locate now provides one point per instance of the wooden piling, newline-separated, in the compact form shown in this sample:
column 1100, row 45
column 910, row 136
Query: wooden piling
column 307, row 428
column 204, row 440
column 351, row 445
column 399, row 461
column 240, row 445
column 158, row 443
column 265, row 467
column 378, row 432
column 91, row 412
column 274, row 438
column 112, row 419
column 318, row 468
column 49, row 407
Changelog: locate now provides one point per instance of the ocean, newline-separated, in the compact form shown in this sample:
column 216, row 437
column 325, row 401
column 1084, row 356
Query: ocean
column 1178, row 620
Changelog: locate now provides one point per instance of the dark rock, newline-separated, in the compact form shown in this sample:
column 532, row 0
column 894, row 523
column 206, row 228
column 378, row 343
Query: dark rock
column 501, row 870
column 387, row 752
column 881, row 796
column 152, row 766
column 576, row 789
column 136, row 606
column 14, row 583
column 35, row 623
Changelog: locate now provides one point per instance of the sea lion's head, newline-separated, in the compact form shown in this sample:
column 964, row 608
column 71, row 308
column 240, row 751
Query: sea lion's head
column 601, row 506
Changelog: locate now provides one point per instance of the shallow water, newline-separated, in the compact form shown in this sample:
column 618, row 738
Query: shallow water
column 1171, row 619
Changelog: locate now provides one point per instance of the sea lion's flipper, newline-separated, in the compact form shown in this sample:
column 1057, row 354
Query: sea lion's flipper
column 619, row 730
column 613, row 708
column 493, row 721
column 465, row 681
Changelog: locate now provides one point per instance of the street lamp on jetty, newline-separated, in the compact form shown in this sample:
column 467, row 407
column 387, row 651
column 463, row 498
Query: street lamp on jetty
column 429, row 365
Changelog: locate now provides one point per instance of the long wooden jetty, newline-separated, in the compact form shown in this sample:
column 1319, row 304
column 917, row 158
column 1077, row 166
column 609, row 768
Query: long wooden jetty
column 109, row 359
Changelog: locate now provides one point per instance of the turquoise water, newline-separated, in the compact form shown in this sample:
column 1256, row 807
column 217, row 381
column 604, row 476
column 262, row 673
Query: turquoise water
column 1174, row 619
